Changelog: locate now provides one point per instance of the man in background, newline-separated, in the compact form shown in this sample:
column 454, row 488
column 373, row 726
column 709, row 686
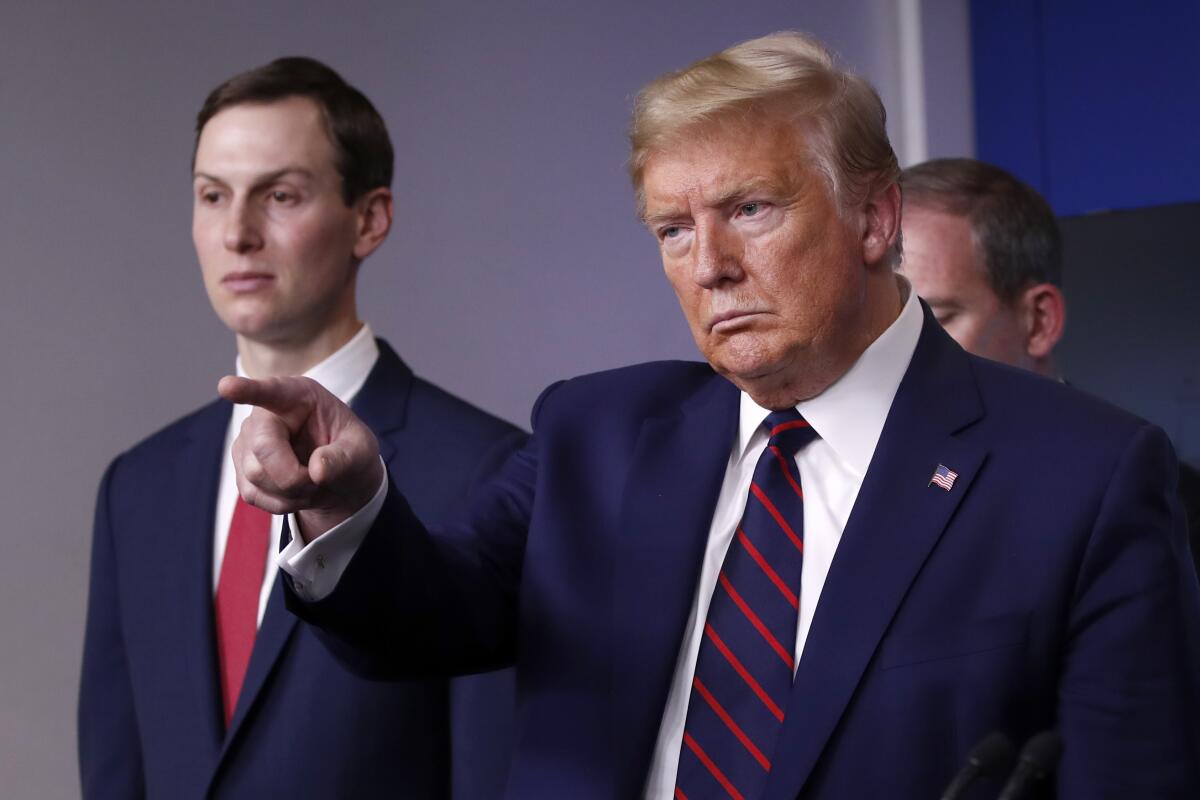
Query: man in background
column 197, row 681
column 984, row 251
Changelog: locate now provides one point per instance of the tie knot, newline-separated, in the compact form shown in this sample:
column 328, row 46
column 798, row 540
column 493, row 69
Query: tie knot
column 788, row 430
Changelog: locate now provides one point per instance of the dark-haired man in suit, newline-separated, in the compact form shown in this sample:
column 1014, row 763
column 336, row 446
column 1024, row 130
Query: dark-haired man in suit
column 197, row 681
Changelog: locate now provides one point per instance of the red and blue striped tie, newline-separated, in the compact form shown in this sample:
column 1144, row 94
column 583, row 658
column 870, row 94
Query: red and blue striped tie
column 744, row 670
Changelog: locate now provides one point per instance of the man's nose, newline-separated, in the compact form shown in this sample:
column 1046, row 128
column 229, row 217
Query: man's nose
column 718, row 256
column 242, row 233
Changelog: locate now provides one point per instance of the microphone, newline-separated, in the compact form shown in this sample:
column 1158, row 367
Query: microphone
column 1038, row 759
column 992, row 754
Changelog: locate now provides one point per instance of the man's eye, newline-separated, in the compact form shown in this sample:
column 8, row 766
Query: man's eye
column 750, row 209
column 210, row 198
column 670, row 232
column 280, row 196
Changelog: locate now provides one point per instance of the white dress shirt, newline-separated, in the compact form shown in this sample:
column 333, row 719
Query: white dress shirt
column 848, row 417
column 343, row 374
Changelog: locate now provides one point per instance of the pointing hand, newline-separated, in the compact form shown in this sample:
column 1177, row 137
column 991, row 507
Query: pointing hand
column 302, row 450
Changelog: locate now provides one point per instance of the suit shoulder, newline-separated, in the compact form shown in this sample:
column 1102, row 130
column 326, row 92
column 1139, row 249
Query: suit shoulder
column 165, row 441
column 141, row 471
column 1022, row 397
column 639, row 389
column 1044, row 421
column 431, row 405
column 443, row 449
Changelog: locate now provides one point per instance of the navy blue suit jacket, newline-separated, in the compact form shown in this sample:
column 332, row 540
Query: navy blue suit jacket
column 150, row 712
column 1049, row 588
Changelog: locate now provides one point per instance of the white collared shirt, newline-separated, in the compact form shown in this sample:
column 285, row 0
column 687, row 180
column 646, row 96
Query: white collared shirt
column 343, row 373
column 848, row 418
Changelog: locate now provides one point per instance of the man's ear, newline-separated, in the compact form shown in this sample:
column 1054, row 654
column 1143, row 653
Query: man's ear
column 881, row 214
column 374, row 220
column 1044, row 316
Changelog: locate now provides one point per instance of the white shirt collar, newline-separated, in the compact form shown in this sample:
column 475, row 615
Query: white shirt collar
column 849, row 415
column 345, row 371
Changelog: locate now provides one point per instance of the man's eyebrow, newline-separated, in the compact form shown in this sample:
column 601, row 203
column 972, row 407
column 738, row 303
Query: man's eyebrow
column 728, row 197
column 661, row 217
column 269, row 177
column 743, row 190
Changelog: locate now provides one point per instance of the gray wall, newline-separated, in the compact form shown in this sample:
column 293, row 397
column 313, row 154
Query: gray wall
column 515, row 257
column 1132, row 336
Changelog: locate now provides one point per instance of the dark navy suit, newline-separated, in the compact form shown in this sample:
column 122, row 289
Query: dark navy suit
column 150, row 710
column 1049, row 588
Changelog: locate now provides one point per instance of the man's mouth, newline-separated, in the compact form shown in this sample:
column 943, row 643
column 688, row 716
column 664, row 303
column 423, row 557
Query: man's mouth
column 728, row 321
column 247, row 281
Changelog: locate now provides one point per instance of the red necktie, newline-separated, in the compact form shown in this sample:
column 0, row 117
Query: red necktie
column 743, row 674
column 238, row 591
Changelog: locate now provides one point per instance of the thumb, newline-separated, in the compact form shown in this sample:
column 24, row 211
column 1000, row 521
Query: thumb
column 328, row 464
column 344, row 476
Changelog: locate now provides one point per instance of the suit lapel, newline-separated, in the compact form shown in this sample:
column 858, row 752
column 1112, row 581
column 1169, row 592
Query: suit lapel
column 667, row 509
column 896, row 521
column 193, row 507
column 381, row 403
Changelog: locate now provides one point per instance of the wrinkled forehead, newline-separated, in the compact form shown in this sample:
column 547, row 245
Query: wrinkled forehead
column 713, row 158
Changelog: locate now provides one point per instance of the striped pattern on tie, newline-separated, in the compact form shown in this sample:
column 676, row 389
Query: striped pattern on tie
column 746, row 662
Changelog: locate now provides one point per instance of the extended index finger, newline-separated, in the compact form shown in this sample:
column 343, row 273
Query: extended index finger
column 289, row 398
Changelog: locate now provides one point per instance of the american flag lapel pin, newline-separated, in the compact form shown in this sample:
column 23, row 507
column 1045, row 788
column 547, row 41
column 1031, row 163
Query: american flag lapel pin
column 944, row 477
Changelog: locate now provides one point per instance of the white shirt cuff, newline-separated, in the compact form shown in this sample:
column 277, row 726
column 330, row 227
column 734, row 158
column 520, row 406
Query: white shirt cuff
column 317, row 567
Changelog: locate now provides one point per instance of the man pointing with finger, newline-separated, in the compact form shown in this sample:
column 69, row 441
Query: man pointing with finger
column 197, row 681
column 824, row 563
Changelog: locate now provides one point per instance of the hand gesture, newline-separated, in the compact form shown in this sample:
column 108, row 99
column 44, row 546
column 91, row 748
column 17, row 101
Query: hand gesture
column 302, row 451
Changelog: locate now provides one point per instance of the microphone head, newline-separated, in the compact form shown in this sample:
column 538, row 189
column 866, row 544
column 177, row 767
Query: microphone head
column 993, row 754
column 1038, row 759
column 1043, row 751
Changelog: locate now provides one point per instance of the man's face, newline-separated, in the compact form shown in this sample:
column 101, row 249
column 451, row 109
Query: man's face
column 941, row 261
column 770, row 277
column 275, row 240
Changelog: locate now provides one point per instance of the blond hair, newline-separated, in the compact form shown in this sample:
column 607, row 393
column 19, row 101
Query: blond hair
column 785, row 73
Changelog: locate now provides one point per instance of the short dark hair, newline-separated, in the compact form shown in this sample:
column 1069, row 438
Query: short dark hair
column 1012, row 225
column 358, row 134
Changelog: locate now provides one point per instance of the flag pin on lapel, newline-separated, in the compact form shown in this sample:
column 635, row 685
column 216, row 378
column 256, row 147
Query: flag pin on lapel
column 943, row 477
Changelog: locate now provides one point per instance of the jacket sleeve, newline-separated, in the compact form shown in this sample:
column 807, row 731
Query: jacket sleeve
column 415, row 602
column 110, row 753
column 1129, row 692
